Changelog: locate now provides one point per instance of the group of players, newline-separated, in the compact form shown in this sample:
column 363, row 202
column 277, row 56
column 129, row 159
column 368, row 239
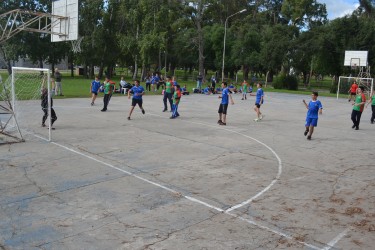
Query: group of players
column 314, row 107
column 172, row 93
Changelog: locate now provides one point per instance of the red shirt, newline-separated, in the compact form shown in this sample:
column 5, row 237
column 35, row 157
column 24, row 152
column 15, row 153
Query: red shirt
column 353, row 88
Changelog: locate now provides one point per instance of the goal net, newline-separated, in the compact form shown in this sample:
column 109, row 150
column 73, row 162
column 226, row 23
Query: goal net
column 21, row 111
column 345, row 83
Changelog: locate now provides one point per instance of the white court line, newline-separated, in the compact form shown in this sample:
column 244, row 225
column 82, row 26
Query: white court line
column 277, row 232
column 289, row 237
column 280, row 233
column 280, row 167
column 333, row 242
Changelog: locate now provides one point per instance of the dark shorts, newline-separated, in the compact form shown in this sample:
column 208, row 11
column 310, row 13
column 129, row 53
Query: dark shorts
column 353, row 93
column 311, row 122
column 137, row 101
column 257, row 105
column 95, row 93
column 223, row 109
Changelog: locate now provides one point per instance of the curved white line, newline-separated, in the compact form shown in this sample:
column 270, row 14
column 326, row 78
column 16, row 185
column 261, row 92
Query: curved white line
column 280, row 167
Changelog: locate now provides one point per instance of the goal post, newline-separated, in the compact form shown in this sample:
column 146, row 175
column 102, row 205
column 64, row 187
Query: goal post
column 345, row 83
column 21, row 99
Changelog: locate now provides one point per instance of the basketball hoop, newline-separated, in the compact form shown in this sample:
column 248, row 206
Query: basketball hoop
column 76, row 45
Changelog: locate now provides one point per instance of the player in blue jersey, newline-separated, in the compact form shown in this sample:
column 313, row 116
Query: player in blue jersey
column 94, row 89
column 313, row 109
column 137, row 91
column 225, row 95
column 258, row 102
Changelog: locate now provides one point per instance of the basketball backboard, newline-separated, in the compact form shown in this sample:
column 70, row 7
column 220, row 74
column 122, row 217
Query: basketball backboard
column 68, row 25
column 359, row 58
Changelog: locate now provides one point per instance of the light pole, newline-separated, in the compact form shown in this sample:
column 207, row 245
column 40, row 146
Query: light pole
column 225, row 36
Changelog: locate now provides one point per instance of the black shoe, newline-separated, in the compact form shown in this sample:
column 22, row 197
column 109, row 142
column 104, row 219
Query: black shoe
column 92, row 104
column 219, row 121
column 43, row 125
column 372, row 122
column 172, row 117
column 306, row 132
column 353, row 126
column 129, row 118
column 103, row 110
column 309, row 137
column 165, row 110
column 223, row 123
column 356, row 128
column 143, row 111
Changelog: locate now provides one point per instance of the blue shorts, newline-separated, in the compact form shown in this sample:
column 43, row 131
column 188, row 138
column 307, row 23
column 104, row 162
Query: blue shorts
column 311, row 122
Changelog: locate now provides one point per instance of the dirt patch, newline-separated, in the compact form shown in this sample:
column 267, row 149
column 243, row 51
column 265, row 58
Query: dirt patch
column 300, row 238
column 289, row 209
column 331, row 210
column 336, row 199
column 371, row 228
column 361, row 223
column 353, row 210
column 357, row 242
column 275, row 217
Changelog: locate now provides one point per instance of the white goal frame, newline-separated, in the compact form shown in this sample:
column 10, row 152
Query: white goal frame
column 357, row 79
column 46, row 71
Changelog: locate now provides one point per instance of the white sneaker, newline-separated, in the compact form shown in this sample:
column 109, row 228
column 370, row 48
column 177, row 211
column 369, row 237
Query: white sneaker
column 256, row 120
column 261, row 117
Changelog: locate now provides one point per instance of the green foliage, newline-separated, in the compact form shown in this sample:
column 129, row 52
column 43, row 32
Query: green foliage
column 271, row 36
column 289, row 82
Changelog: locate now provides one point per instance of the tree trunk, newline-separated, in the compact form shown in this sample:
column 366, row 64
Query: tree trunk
column 246, row 71
column 199, row 22
column 143, row 73
column 9, row 67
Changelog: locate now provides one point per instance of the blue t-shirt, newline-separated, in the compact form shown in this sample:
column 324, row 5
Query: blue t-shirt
column 225, row 96
column 260, row 93
column 137, row 91
column 155, row 79
column 313, row 109
column 95, row 85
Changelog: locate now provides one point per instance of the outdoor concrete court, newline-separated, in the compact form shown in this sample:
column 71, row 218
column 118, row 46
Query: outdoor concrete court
column 155, row 183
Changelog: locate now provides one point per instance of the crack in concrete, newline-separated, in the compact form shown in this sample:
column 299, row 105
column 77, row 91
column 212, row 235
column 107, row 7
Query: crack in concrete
column 65, row 190
column 337, row 179
column 148, row 246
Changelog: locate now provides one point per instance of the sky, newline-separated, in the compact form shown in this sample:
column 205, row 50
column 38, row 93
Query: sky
column 339, row 8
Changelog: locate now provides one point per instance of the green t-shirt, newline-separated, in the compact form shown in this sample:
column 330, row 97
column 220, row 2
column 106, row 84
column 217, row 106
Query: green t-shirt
column 373, row 100
column 168, row 87
column 107, row 88
column 358, row 99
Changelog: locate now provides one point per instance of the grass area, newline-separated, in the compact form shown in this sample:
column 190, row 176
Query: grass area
column 79, row 86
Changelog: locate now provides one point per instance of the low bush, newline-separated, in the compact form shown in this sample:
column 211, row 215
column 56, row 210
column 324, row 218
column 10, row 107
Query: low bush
column 289, row 82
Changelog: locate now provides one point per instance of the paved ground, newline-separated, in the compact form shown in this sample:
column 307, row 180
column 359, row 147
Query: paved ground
column 155, row 183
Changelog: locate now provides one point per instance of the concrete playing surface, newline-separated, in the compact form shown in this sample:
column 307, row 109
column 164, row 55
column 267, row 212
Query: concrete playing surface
column 154, row 183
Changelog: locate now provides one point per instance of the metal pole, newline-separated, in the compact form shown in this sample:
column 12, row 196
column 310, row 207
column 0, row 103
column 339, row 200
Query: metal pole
column 225, row 36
